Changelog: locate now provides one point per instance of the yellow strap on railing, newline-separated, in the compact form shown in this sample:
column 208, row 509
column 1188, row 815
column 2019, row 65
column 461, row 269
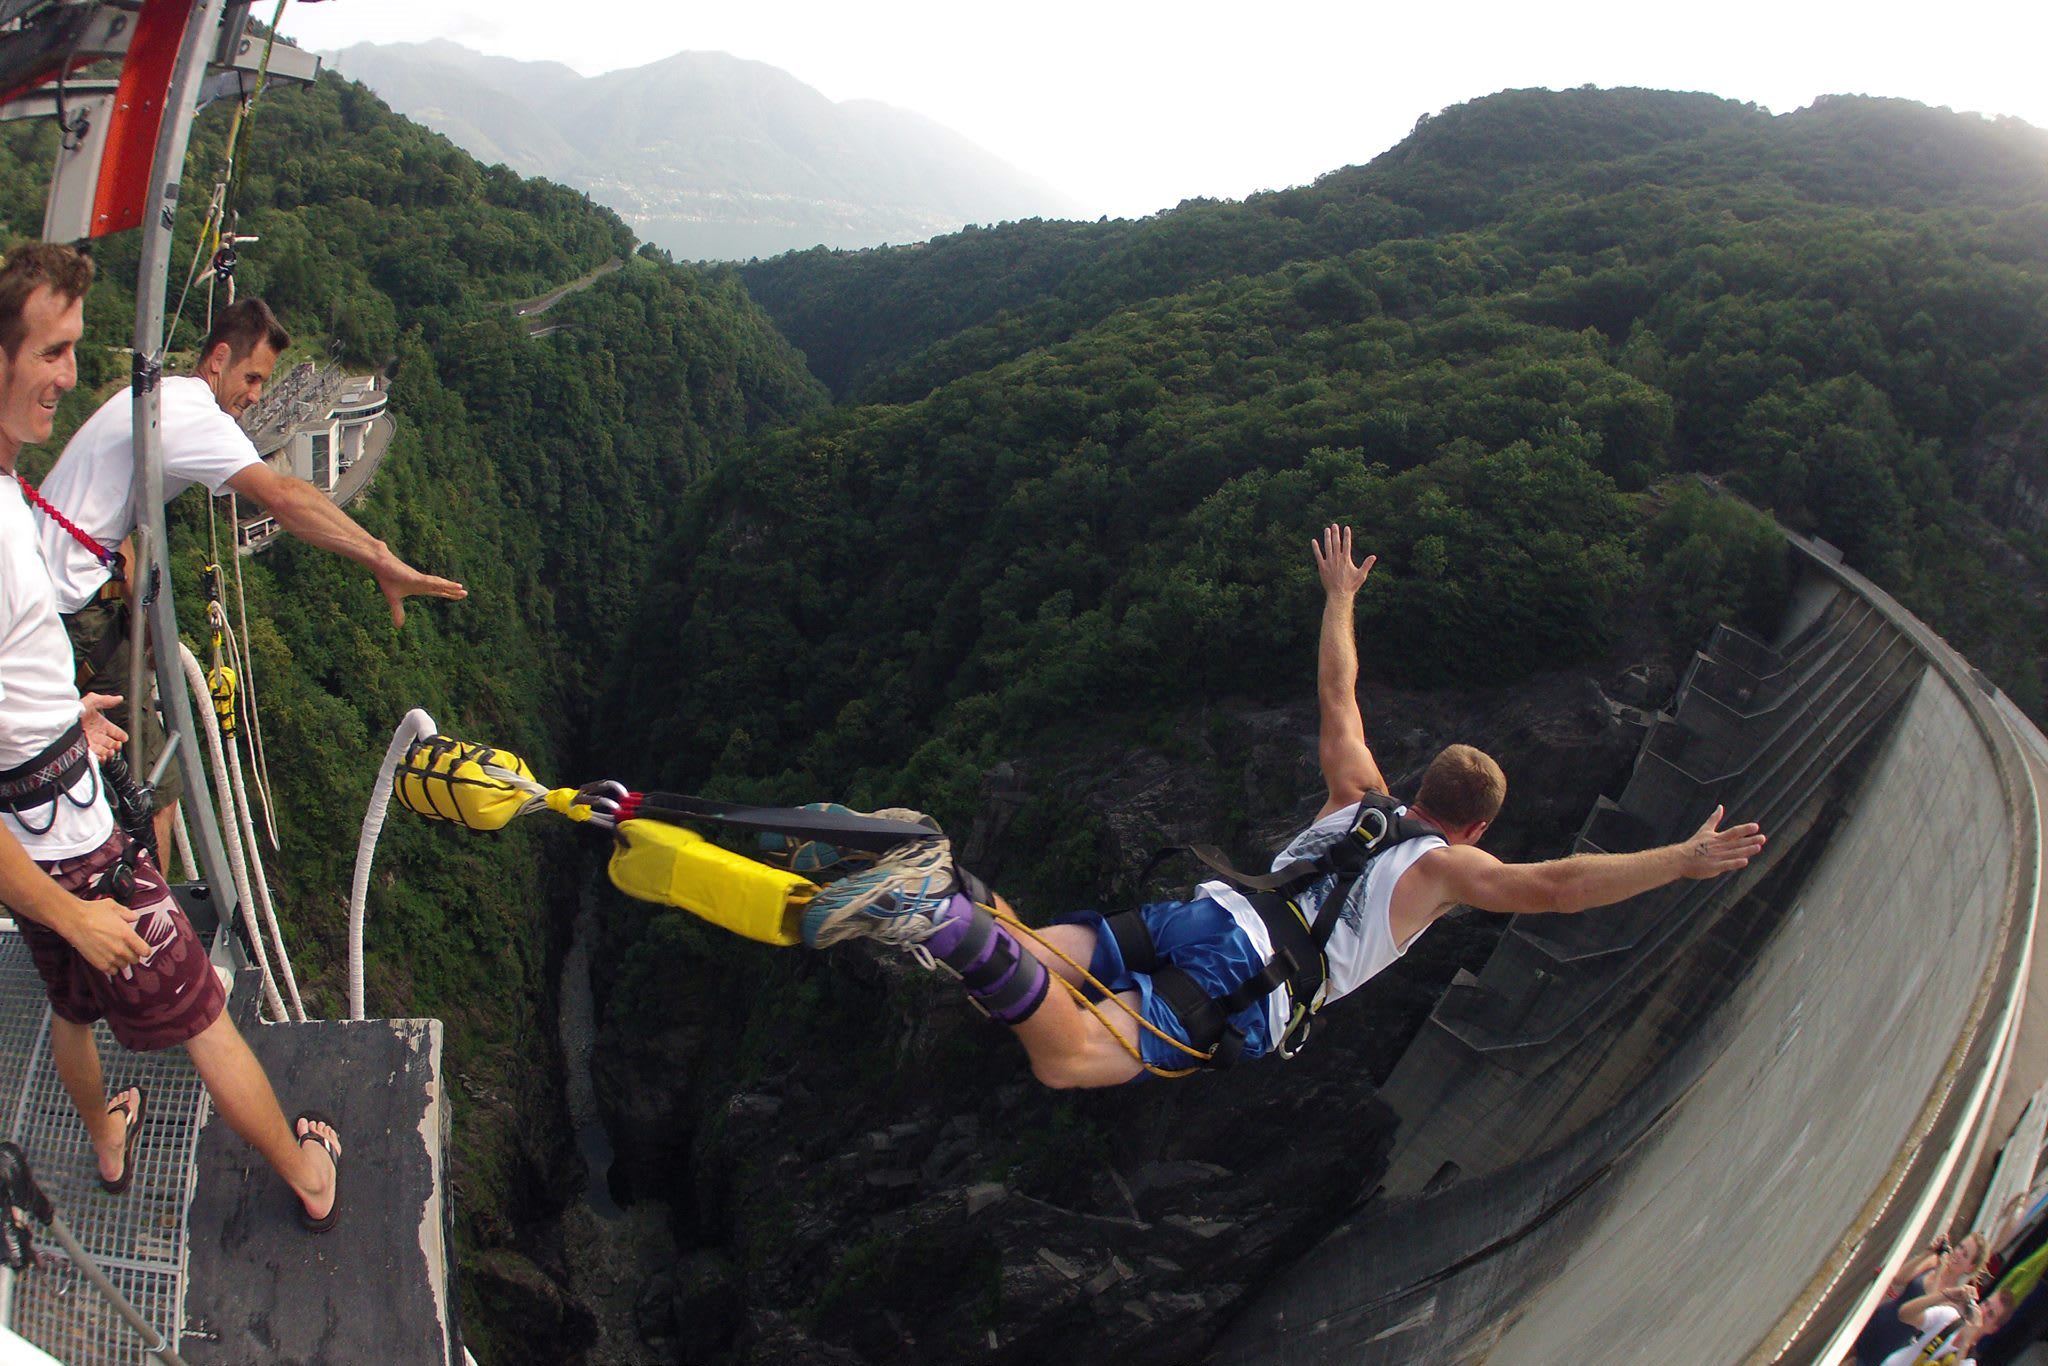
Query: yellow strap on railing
column 220, row 686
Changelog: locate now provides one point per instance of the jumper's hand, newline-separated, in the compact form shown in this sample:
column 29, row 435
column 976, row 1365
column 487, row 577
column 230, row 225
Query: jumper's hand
column 399, row 581
column 102, row 736
column 1341, row 578
column 1712, row 851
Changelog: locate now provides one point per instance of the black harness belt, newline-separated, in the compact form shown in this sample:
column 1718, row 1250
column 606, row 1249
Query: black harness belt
column 1298, row 962
column 47, row 777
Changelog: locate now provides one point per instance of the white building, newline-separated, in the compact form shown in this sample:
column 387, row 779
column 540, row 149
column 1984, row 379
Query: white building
column 316, row 423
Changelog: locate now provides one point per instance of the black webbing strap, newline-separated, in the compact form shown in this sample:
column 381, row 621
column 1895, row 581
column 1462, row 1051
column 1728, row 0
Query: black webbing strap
column 973, row 888
column 1206, row 1019
column 1279, row 880
column 1297, row 953
column 49, row 772
column 1207, row 1025
column 848, row 830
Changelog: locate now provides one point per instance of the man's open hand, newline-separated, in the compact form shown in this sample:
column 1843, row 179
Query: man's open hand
column 1341, row 578
column 399, row 581
column 1712, row 851
column 102, row 736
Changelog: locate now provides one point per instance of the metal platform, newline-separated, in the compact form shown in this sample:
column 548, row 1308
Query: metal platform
column 138, row 1239
column 205, row 1243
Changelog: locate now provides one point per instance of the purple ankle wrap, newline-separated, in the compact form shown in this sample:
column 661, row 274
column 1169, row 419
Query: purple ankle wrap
column 954, row 919
column 997, row 971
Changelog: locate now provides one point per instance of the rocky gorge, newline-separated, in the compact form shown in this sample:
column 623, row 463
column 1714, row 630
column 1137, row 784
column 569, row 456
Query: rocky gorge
column 852, row 1166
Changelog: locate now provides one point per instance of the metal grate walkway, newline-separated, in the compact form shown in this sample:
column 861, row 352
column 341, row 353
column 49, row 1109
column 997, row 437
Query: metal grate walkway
column 138, row 1239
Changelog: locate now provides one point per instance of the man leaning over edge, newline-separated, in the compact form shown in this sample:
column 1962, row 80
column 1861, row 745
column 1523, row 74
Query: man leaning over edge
column 203, row 443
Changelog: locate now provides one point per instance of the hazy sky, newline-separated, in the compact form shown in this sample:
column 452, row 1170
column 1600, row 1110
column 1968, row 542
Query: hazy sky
column 1130, row 107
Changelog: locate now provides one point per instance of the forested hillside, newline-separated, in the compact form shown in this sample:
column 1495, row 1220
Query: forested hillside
column 1840, row 310
column 538, row 471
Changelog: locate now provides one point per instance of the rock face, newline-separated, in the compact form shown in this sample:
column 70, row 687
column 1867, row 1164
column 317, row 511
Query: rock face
column 864, row 1169
column 2006, row 468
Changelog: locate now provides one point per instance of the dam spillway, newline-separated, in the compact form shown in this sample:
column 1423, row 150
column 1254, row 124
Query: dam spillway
column 1752, row 1096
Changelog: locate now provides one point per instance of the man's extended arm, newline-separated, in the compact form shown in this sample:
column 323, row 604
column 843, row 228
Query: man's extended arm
column 310, row 515
column 1348, row 766
column 1470, row 876
column 103, row 932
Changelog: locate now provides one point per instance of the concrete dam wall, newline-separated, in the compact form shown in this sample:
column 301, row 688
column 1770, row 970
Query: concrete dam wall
column 1698, row 1126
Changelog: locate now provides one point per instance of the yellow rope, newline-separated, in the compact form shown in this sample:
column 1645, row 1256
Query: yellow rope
column 1081, row 999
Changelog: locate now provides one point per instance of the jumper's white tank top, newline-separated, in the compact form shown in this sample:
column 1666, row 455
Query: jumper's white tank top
column 1362, row 945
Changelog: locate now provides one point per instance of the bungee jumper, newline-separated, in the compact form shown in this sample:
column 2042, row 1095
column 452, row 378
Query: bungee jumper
column 1236, row 972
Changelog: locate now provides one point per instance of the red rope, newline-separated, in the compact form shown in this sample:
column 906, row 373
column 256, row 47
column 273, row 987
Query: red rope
column 100, row 552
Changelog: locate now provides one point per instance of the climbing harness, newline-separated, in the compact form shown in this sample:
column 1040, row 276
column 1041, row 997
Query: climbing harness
column 1299, row 938
column 47, row 779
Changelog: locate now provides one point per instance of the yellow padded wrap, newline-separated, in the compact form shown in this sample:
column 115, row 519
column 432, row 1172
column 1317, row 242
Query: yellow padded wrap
column 674, row 866
column 443, row 779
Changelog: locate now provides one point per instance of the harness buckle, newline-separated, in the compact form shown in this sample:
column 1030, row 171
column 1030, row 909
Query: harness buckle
column 1294, row 1038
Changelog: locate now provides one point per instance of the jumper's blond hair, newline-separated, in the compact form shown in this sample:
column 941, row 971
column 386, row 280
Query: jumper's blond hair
column 1462, row 786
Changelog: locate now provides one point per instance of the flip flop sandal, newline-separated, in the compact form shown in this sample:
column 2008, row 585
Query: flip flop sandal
column 119, row 1185
column 333, row 1215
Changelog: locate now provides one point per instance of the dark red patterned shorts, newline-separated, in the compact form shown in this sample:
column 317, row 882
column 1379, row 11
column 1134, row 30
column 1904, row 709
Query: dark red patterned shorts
column 167, row 998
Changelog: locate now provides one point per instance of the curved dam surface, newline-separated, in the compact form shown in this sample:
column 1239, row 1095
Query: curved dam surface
column 1702, row 1125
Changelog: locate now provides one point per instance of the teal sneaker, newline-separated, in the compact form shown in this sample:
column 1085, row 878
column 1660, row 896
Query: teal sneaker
column 897, row 901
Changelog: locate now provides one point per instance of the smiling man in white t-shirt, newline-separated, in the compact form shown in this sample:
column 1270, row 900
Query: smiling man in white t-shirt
column 107, row 938
column 92, row 486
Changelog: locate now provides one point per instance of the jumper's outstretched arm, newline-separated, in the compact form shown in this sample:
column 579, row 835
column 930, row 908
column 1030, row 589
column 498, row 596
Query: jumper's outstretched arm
column 1348, row 766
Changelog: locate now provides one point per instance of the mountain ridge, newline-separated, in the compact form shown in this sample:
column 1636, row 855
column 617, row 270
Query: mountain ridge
column 706, row 154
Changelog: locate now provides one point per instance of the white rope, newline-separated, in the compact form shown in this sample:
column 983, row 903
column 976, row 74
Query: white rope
column 417, row 725
column 247, row 656
column 245, row 681
column 195, row 679
column 182, row 838
column 245, row 820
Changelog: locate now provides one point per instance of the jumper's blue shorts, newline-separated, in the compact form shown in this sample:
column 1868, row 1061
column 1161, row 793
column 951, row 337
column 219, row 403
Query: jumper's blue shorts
column 1204, row 941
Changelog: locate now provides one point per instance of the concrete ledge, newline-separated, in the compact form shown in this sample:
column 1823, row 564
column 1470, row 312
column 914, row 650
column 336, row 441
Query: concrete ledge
column 376, row 1288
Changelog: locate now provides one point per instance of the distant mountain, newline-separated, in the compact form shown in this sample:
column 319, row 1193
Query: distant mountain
column 707, row 155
